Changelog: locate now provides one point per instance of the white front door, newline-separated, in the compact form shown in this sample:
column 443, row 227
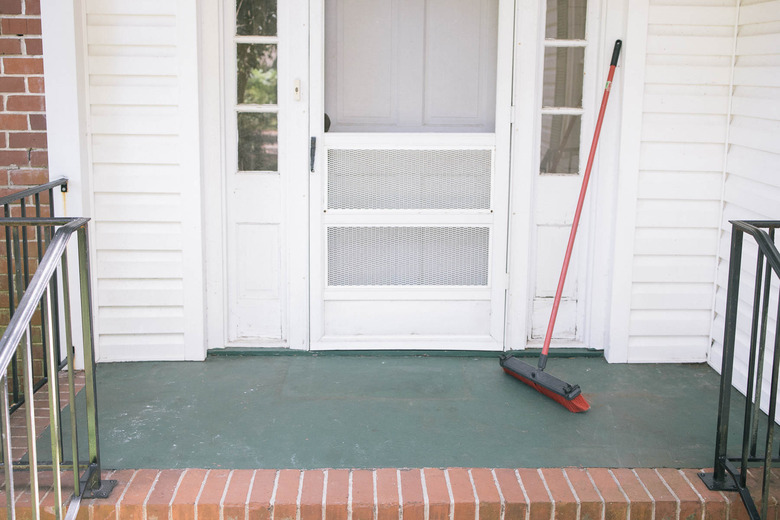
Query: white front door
column 266, row 119
column 409, row 190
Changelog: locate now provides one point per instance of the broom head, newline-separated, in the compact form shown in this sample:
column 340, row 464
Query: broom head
column 569, row 396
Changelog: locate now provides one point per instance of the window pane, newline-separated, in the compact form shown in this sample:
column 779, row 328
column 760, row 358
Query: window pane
column 258, row 144
column 566, row 19
column 256, row 17
column 256, row 76
column 560, row 144
column 563, row 75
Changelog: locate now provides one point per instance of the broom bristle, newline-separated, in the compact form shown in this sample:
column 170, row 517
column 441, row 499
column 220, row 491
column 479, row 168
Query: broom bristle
column 576, row 405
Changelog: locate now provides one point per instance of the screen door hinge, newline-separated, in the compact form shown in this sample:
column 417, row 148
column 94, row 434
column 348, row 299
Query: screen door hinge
column 312, row 153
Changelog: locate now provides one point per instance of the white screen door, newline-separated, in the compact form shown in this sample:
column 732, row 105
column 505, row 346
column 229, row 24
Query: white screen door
column 409, row 190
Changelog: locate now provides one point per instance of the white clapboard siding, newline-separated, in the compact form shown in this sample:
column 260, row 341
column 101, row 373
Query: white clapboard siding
column 752, row 184
column 136, row 59
column 684, row 126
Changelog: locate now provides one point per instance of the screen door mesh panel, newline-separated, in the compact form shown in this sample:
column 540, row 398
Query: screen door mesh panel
column 408, row 256
column 409, row 179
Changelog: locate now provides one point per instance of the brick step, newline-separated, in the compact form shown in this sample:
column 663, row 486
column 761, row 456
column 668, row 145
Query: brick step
column 408, row 494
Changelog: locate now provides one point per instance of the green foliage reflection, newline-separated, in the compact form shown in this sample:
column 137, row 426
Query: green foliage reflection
column 256, row 76
column 258, row 144
column 256, row 17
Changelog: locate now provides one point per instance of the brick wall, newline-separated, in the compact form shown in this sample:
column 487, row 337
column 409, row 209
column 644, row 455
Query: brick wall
column 23, row 154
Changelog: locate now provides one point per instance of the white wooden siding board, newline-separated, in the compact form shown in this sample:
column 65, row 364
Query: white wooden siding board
column 136, row 7
column 756, row 165
column 137, row 51
column 136, row 178
column 758, row 44
column 747, row 102
column 679, row 157
column 671, row 296
column 135, row 149
column 675, row 322
column 770, row 26
column 128, row 350
column 130, row 269
column 759, row 134
column 135, row 125
column 690, row 75
column 689, row 45
column 155, row 236
column 704, row 31
column 137, row 95
column 679, row 185
column 132, row 66
column 140, row 298
column 757, row 76
column 683, row 128
column 683, row 269
column 141, row 207
column 674, row 242
column 694, row 352
column 123, row 20
column 691, row 15
column 140, row 325
column 692, row 104
column 759, row 12
column 130, row 36
column 762, row 201
column 677, row 213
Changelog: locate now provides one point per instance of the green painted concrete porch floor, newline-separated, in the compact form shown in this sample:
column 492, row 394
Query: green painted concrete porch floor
column 399, row 411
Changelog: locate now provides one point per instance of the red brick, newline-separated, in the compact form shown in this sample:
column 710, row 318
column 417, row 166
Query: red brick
column 286, row 500
column 29, row 65
column 362, row 495
column 260, row 496
column 11, row 84
column 11, row 26
column 37, row 121
column 14, row 157
column 39, row 159
column 539, row 500
column 565, row 503
column 160, row 498
column 462, row 494
column 615, row 503
column 35, row 85
column 690, row 506
column 10, row 46
column 337, row 498
column 641, row 506
column 33, row 46
column 211, row 495
column 665, row 501
column 106, row 508
column 234, row 505
column 183, row 503
column 27, row 177
column 3, row 140
column 131, row 506
column 34, row 25
column 311, row 495
column 32, row 6
column 515, row 504
column 716, row 506
column 10, row 6
column 591, row 505
column 485, row 486
column 21, row 103
column 438, row 495
column 27, row 140
column 13, row 121
column 387, row 494
column 413, row 503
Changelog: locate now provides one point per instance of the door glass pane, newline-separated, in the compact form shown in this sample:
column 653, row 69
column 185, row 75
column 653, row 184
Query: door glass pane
column 256, row 77
column 566, row 19
column 256, row 17
column 560, row 143
column 258, row 144
column 563, row 76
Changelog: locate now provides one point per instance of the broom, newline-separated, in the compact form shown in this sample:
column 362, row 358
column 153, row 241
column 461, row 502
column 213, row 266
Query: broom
column 570, row 396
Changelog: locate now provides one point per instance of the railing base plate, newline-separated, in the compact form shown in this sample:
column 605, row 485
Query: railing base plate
column 727, row 484
column 105, row 489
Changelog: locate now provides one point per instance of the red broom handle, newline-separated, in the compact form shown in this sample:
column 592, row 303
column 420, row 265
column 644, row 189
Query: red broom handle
column 575, row 223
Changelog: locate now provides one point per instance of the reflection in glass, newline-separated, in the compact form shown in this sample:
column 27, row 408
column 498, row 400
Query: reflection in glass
column 563, row 76
column 256, row 17
column 560, row 144
column 566, row 19
column 258, row 142
column 256, row 76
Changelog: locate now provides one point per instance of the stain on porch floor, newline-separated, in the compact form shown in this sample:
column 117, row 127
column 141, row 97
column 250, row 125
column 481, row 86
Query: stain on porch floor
column 400, row 411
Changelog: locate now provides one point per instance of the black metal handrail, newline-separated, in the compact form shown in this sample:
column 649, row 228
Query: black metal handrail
column 18, row 259
column 17, row 340
column 726, row 475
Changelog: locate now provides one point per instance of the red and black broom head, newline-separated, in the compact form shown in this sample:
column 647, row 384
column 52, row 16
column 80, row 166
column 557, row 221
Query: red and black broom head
column 565, row 394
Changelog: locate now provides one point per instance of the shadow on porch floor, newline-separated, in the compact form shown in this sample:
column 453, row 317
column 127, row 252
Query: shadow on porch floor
column 310, row 412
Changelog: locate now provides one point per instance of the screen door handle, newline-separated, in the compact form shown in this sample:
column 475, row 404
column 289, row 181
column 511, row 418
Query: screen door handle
column 312, row 153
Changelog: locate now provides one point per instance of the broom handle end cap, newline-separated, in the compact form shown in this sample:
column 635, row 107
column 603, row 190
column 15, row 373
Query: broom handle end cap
column 616, row 52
